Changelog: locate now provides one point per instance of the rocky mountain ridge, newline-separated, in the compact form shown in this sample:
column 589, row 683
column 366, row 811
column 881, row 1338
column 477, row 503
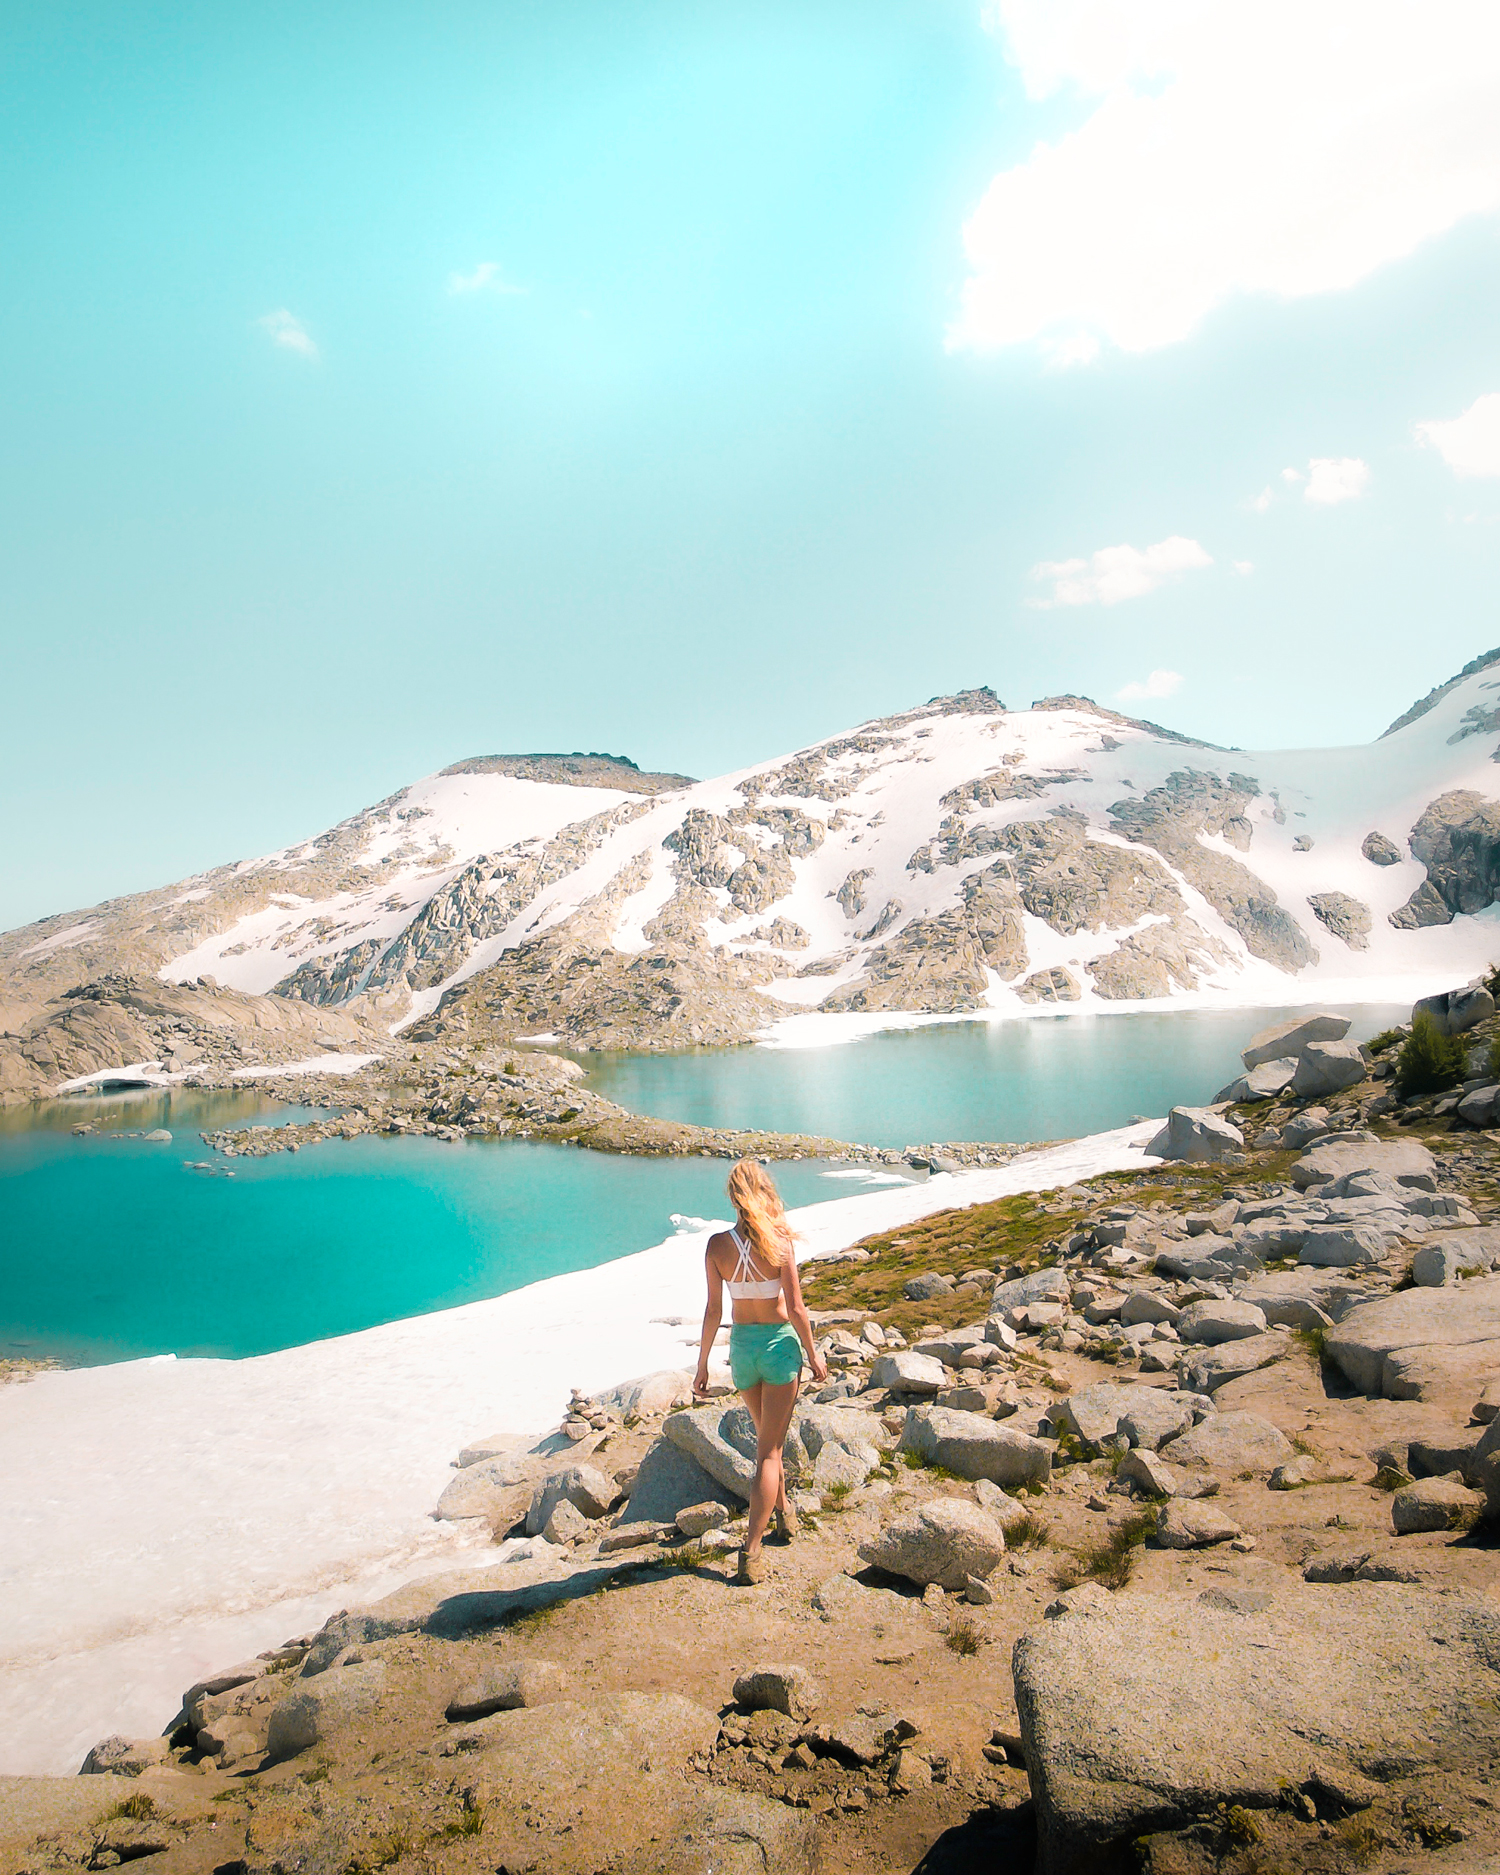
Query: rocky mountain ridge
column 959, row 856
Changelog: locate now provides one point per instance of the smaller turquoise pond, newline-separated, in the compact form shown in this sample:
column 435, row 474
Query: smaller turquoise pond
column 113, row 1248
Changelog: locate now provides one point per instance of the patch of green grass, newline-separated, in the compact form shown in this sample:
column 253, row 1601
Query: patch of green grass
column 1069, row 1451
column 317, row 1775
column 914, row 1461
column 531, row 1621
column 962, row 1637
column 1386, row 1039
column 1389, row 1478
column 1028, row 1532
column 1241, row 1825
column 692, row 1555
column 1313, row 1343
column 1299, row 1442
column 1362, row 1841
column 136, row 1809
column 1111, row 1562
column 837, row 1497
column 471, row 1823
column 380, row 1853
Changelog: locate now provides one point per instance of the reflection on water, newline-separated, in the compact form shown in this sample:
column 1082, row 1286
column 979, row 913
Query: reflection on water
column 1048, row 1078
column 142, row 1110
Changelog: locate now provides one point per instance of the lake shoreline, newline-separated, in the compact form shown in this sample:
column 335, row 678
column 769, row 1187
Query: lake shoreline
column 158, row 1562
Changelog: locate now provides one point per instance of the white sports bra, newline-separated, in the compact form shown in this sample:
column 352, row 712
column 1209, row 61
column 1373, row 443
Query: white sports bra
column 742, row 1290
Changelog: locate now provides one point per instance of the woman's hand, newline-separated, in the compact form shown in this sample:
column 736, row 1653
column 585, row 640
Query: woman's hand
column 819, row 1367
column 700, row 1382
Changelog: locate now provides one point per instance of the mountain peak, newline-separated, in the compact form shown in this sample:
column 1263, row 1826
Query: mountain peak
column 593, row 769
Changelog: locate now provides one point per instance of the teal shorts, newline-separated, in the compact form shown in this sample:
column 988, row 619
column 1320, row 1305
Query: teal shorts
column 768, row 1351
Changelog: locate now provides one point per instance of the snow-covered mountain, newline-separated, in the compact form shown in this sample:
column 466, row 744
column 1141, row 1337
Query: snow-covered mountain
column 959, row 856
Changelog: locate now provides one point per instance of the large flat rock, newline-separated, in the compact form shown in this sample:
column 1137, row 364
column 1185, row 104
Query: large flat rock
column 703, row 1434
column 669, row 1481
column 971, row 1446
column 1406, row 1160
column 1366, row 1344
column 1141, row 1712
column 1291, row 1038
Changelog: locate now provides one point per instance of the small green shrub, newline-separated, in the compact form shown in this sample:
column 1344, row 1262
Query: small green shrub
column 471, row 1823
column 137, row 1809
column 1241, row 1825
column 1386, row 1039
column 1112, row 1562
column 1362, row 1841
column 1429, row 1060
column 963, row 1638
column 1313, row 1343
column 837, row 1496
column 381, row 1853
column 1492, row 1059
column 914, row 1461
column 1029, row 1532
column 686, row 1556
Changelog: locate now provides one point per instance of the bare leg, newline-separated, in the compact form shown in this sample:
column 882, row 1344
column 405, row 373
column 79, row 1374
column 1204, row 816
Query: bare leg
column 772, row 1414
column 755, row 1406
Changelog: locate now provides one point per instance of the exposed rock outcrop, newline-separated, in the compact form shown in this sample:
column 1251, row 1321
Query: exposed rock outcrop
column 1171, row 817
column 1457, row 838
column 1347, row 918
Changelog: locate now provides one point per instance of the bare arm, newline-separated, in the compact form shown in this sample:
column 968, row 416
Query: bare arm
column 713, row 1314
column 796, row 1309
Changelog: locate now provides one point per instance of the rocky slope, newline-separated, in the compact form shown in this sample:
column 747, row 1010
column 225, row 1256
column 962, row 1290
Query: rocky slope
column 959, row 856
column 1148, row 1524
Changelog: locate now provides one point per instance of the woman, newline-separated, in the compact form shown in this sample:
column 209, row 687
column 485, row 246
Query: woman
column 770, row 1332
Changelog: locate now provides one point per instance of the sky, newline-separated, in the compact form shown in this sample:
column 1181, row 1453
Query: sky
column 383, row 384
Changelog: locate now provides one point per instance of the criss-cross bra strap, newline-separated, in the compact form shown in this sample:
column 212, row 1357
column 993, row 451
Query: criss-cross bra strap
column 745, row 1284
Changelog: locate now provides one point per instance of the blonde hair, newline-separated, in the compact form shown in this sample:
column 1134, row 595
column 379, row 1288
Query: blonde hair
column 758, row 1205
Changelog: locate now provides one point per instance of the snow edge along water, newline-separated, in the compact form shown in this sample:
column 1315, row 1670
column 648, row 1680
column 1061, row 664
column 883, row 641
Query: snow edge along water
column 254, row 1498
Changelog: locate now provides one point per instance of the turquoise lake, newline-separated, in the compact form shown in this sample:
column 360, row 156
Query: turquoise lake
column 113, row 1247
column 1053, row 1077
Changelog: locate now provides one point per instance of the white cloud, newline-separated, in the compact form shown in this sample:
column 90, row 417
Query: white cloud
column 1262, row 501
column 1292, row 475
column 1280, row 147
column 285, row 329
column 1332, row 479
column 486, row 278
column 1116, row 573
column 1469, row 444
column 1159, row 684
column 1243, row 567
